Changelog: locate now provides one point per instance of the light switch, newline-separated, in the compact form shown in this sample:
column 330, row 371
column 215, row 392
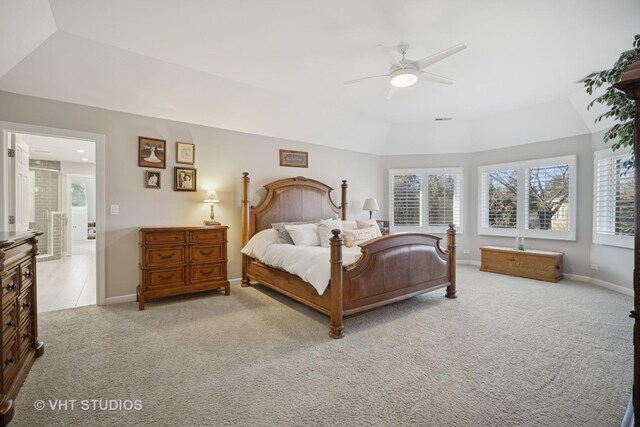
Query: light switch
column 115, row 209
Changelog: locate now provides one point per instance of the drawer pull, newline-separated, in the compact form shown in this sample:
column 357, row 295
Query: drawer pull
column 26, row 304
column 26, row 274
column 206, row 273
column 167, row 256
column 209, row 252
column 25, row 336
column 171, row 276
column 8, row 361
column 10, row 287
column 9, row 324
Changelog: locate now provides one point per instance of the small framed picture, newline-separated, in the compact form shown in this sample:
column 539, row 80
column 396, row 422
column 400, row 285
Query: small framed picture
column 295, row 159
column 184, row 179
column 151, row 152
column 152, row 179
column 185, row 153
column 384, row 226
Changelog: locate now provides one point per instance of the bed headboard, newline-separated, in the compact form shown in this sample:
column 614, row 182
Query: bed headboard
column 289, row 200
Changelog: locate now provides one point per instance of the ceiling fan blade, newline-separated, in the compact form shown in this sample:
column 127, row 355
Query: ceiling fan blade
column 392, row 59
column 430, row 60
column 364, row 78
column 392, row 91
column 435, row 78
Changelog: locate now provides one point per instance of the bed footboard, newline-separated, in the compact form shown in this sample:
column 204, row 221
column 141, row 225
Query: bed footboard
column 392, row 268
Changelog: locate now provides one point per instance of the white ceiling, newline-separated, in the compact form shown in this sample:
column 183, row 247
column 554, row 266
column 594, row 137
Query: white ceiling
column 43, row 147
column 276, row 67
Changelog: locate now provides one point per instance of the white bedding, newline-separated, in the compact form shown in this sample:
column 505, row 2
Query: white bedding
column 311, row 263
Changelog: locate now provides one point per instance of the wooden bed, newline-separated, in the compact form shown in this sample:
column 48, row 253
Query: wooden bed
column 392, row 268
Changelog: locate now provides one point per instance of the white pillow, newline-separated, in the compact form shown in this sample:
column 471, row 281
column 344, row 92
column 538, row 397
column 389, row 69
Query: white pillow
column 324, row 230
column 257, row 246
column 304, row 234
column 349, row 225
column 355, row 237
column 362, row 223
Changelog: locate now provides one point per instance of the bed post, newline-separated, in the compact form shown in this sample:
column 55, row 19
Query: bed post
column 451, row 247
column 336, row 327
column 245, row 225
column 344, row 204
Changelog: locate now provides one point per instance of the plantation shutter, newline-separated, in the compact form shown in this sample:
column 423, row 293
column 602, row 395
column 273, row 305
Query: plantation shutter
column 406, row 192
column 499, row 200
column 444, row 199
column 614, row 215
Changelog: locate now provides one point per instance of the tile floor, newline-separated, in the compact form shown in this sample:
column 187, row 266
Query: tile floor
column 70, row 281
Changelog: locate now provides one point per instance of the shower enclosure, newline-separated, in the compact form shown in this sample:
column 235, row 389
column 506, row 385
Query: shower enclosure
column 46, row 208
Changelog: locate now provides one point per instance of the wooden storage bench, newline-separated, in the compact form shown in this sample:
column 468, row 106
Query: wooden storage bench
column 532, row 264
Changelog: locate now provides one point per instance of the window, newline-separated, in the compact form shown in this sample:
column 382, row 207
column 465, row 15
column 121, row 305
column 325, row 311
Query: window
column 614, row 188
column 425, row 199
column 534, row 198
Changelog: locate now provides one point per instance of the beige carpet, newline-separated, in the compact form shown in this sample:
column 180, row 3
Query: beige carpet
column 507, row 352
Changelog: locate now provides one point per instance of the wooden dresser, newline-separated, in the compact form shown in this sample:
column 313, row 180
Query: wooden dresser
column 20, row 343
column 540, row 265
column 181, row 260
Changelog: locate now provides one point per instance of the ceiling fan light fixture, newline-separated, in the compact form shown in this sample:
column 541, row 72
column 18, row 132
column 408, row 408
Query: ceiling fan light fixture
column 404, row 77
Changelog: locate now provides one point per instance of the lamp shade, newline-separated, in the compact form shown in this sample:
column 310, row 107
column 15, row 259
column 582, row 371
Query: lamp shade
column 212, row 197
column 370, row 205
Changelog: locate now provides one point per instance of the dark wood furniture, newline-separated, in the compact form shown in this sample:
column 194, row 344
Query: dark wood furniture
column 20, row 343
column 539, row 265
column 630, row 85
column 391, row 268
column 181, row 260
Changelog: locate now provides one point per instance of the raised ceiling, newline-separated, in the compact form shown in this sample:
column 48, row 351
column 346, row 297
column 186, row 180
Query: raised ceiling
column 276, row 67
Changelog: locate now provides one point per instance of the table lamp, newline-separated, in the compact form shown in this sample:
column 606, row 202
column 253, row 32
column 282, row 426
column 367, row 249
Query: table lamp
column 370, row 205
column 212, row 199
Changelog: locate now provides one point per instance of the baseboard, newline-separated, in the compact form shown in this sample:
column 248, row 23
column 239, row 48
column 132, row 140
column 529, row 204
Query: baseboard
column 612, row 286
column 468, row 262
column 121, row 298
column 577, row 277
column 235, row 281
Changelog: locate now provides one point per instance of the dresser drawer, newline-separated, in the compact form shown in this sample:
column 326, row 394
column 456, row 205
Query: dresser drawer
column 24, row 336
column 166, row 278
column 26, row 274
column 207, row 273
column 204, row 236
column 24, row 304
column 9, row 362
column 209, row 253
column 163, row 237
column 165, row 256
column 10, row 286
column 9, row 319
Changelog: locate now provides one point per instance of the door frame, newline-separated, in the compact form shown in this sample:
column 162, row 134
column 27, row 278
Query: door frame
column 99, row 140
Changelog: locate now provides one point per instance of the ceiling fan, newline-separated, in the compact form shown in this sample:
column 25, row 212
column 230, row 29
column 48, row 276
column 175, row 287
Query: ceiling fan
column 405, row 72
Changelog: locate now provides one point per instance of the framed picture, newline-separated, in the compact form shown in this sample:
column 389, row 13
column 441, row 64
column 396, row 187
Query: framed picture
column 185, row 153
column 152, row 179
column 384, row 226
column 151, row 152
column 295, row 159
column 184, row 179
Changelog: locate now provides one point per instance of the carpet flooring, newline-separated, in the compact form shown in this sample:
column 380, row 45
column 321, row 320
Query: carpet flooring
column 507, row 352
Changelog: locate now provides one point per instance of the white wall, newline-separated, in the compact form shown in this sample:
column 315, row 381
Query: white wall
column 221, row 157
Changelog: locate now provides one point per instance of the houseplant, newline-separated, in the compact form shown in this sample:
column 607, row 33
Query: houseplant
column 621, row 108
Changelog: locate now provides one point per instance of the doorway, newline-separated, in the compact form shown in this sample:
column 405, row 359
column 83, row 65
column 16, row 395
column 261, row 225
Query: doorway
column 62, row 196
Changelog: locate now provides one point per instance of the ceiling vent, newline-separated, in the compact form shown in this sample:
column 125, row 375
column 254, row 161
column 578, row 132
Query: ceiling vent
column 443, row 119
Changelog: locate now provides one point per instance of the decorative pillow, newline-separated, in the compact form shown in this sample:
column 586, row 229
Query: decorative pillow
column 355, row 237
column 362, row 223
column 304, row 234
column 324, row 230
column 257, row 246
column 283, row 234
column 349, row 225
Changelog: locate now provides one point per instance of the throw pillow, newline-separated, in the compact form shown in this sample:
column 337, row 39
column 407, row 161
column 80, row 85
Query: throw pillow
column 362, row 223
column 304, row 234
column 324, row 230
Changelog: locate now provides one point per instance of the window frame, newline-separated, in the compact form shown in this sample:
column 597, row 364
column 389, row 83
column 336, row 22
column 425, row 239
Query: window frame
column 618, row 240
column 424, row 214
column 522, row 171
